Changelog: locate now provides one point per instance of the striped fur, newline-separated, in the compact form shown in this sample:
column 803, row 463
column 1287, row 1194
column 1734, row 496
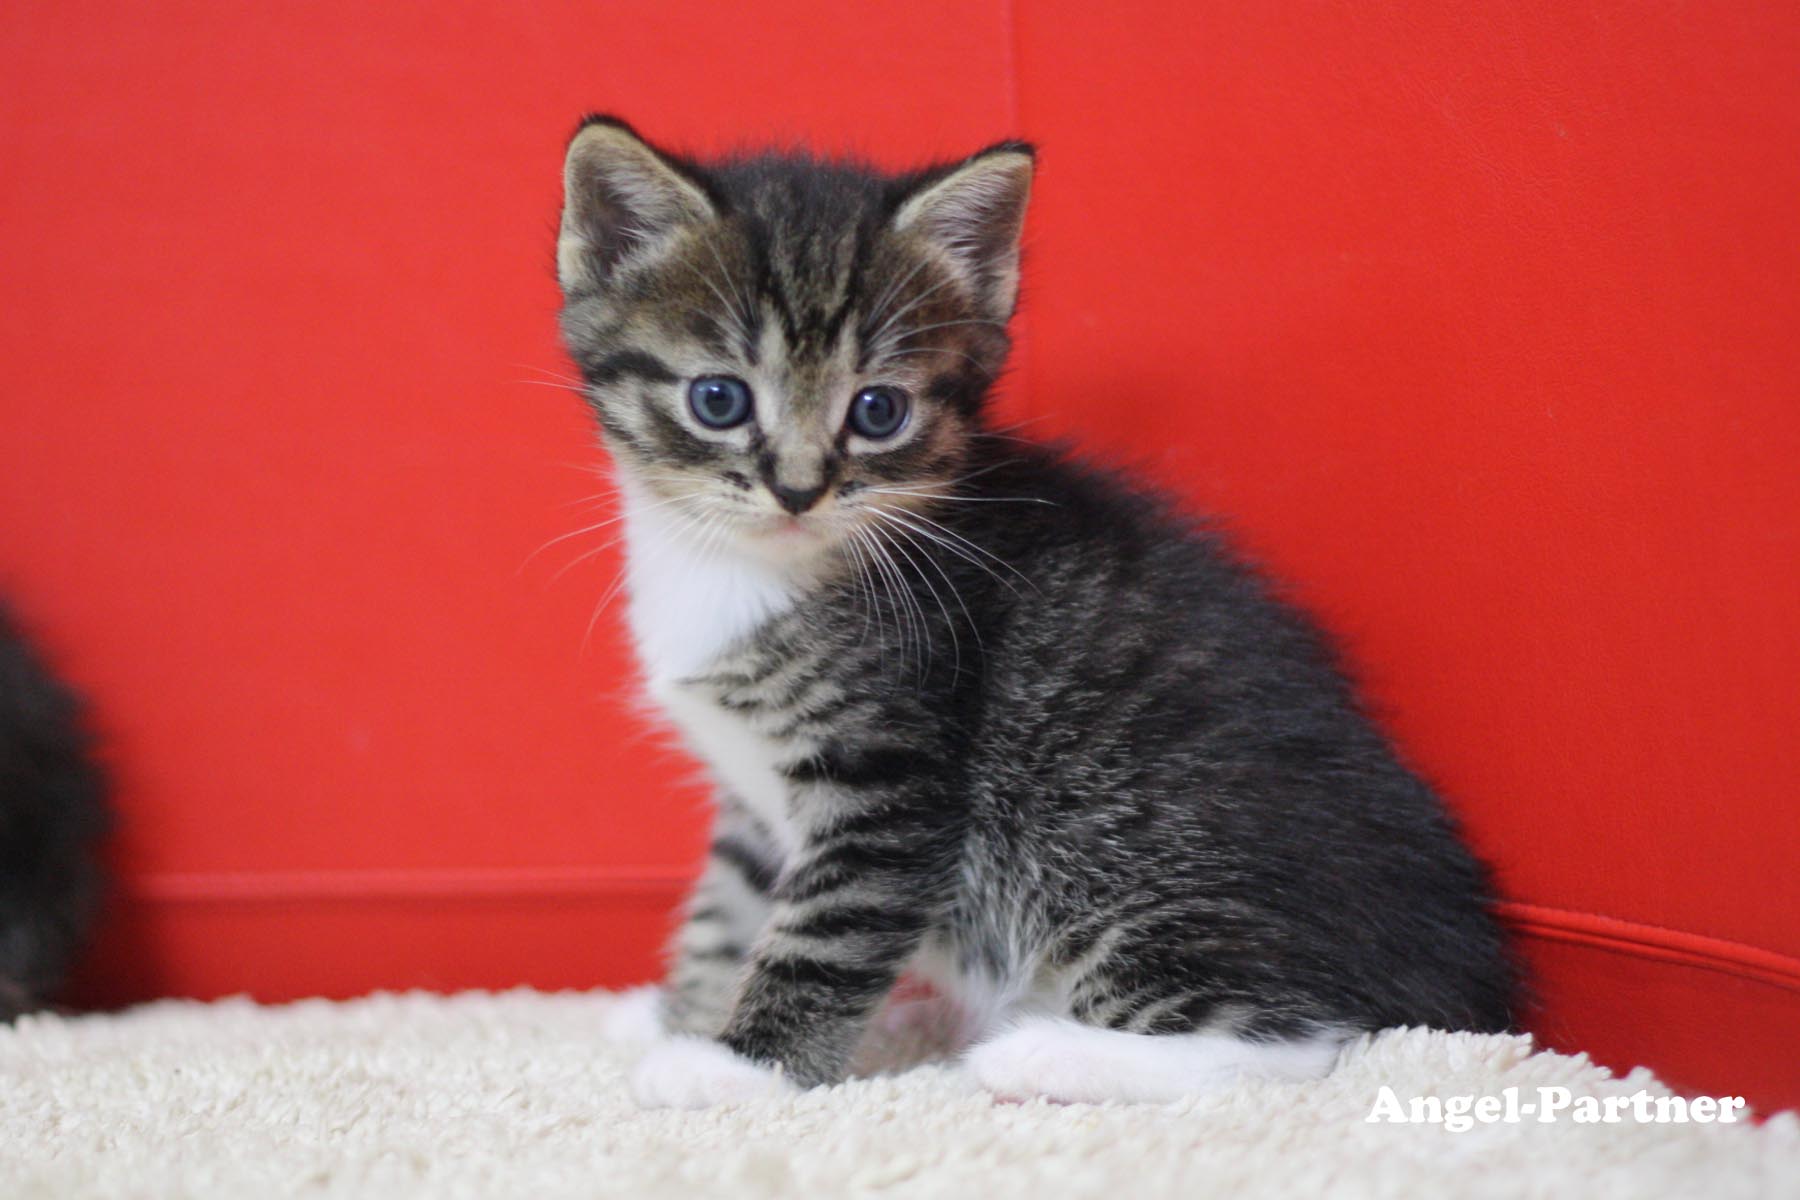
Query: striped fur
column 981, row 711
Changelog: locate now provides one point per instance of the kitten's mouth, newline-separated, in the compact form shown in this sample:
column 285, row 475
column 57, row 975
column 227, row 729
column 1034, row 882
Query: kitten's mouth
column 790, row 525
column 789, row 531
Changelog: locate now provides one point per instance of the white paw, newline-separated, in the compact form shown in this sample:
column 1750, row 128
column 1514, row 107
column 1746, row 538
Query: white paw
column 689, row 1072
column 1062, row 1060
column 634, row 1016
column 1033, row 1060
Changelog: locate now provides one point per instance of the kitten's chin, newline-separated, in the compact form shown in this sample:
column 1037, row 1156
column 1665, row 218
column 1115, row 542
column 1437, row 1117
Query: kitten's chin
column 785, row 540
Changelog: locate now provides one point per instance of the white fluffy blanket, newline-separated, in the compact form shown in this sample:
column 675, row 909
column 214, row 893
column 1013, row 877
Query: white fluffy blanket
column 520, row 1095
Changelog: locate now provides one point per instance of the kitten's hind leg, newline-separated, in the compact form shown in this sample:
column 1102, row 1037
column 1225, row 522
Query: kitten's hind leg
column 1062, row 1059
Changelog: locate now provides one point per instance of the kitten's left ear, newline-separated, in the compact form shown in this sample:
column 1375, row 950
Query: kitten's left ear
column 973, row 213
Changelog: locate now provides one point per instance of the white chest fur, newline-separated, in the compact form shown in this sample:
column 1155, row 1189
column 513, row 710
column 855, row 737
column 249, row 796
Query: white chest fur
column 742, row 759
column 691, row 599
column 689, row 603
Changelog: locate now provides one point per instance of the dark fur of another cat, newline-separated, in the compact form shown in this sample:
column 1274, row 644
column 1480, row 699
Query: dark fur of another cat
column 52, row 815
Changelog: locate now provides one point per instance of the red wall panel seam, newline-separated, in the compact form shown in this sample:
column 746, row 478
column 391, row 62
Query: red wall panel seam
column 1662, row 955
column 424, row 884
column 1654, row 942
column 485, row 883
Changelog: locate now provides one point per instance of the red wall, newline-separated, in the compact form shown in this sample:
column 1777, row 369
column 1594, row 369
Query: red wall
column 1485, row 329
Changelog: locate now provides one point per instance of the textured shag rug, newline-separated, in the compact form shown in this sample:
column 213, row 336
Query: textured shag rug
column 521, row 1094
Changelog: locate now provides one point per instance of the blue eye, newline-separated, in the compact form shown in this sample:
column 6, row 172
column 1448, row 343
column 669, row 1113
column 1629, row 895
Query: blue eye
column 878, row 412
column 719, row 401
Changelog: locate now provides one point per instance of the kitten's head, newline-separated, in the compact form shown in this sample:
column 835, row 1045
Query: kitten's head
column 779, row 347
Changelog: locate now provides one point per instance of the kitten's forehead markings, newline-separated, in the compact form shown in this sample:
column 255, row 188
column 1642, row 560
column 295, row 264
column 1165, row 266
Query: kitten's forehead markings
column 791, row 392
column 772, row 374
column 812, row 271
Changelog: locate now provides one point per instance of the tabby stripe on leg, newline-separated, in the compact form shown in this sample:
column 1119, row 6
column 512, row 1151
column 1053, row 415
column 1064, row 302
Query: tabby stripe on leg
column 735, row 854
column 868, row 767
column 849, row 919
column 845, row 864
column 844, row 983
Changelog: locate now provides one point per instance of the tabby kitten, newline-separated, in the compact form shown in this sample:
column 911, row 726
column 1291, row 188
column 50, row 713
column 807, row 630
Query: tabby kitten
column 974, row 710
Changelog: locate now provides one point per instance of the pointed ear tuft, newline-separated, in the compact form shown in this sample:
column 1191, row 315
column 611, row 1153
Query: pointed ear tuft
column 621, row 197
column 973, row 213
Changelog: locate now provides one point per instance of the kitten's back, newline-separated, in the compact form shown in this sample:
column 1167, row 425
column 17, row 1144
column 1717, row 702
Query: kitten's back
column 1194, row 738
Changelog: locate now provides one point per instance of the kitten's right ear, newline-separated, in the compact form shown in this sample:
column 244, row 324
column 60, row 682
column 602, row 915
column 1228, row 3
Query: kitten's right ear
column 621, row 197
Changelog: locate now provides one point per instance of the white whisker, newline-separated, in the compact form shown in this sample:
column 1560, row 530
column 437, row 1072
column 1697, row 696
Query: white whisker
column 954, row 499
column 949, row 622
column 955, row 543
column 950, row 584
column 888, row 295
column 594, row 528
column 556, row 375
column 561, row 387
column 875, row 338
column 915, row 330
column 887, row 355
column 906, row 605
column 687, row 522
column 738, row 317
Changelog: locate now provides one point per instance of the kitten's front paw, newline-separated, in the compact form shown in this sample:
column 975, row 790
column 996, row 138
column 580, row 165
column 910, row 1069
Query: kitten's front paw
column 634, row 1016
column 689, row 1072
column 1020, row 1064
